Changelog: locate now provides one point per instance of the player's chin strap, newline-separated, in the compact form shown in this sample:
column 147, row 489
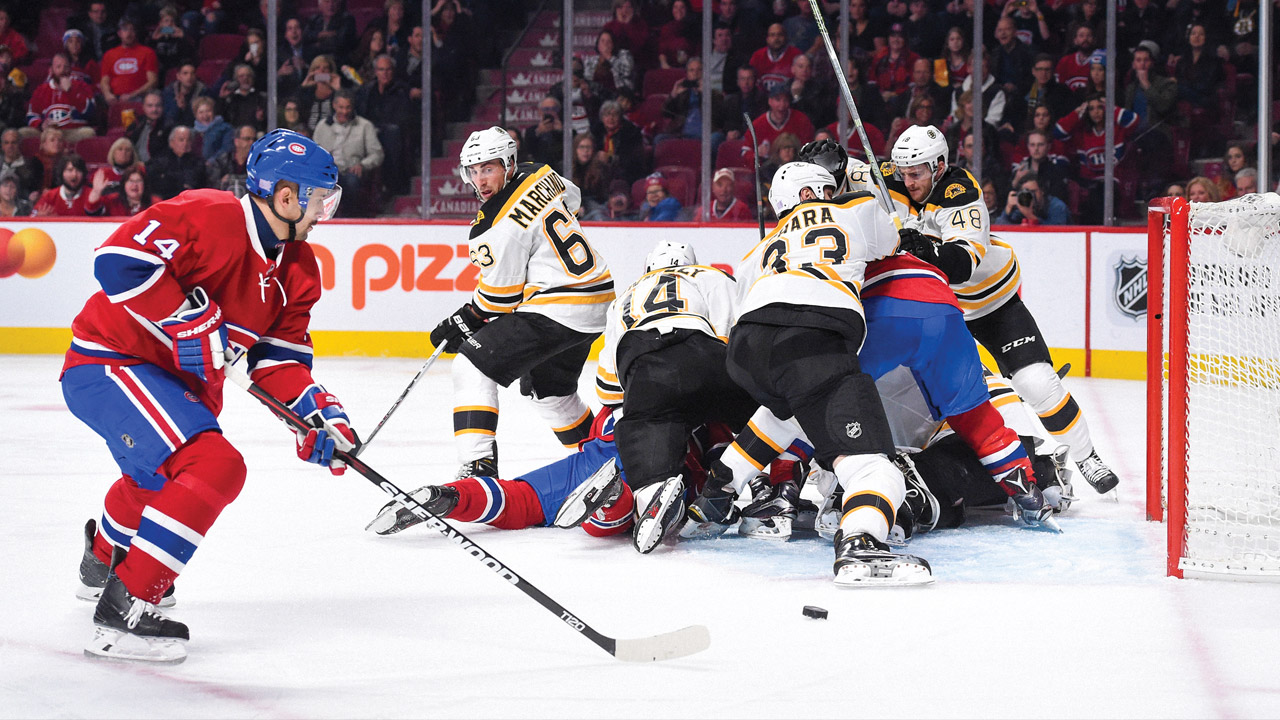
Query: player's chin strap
column 293, row 224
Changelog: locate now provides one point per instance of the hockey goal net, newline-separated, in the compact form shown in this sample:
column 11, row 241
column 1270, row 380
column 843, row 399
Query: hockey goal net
column 1213, row 384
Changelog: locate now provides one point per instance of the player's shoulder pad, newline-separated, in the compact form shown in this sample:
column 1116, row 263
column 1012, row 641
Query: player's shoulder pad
column 849, row 198
column 956, row 188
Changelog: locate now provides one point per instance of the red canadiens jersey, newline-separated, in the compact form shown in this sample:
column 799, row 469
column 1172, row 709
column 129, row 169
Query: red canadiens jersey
column 1073, row 70
column 773, row 72
column 907, row 277
column 206, row 239
column 51, row 106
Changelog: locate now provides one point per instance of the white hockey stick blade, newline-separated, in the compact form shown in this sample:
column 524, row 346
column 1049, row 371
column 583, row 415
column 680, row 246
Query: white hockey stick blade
column 667, row 646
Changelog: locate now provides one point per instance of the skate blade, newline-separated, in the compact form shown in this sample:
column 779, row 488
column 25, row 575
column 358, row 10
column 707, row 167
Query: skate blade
column 111, row 644
column 92, row 594
column 384, row 520
column 775, row 528
column 578, row 506
column 694, row 530
column 916, row 578
column 651, row 531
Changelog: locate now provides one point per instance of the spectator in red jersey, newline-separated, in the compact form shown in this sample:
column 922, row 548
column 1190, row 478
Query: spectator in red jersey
column 1073, row 68
column 12, row 203
column 773, row 61
column 679, row 38
column 179, row 169
column 781, row 118
column 132, row 198
column 629, row 32
column 891, row 68
column 725, row 206
column 130, row 70
column 1085, row 129
column 70, row 198
column 63, row 102
column 122, row 158
column 84, row 66
column 12, row 38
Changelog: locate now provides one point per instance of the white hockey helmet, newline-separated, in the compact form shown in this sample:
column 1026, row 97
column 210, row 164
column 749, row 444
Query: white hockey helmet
column 920, row 145
column 793, row 177
column 669, row 254
column 483, row 145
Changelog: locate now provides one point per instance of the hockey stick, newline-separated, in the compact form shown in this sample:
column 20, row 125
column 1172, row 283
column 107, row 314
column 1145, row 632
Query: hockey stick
column 667, row 646
column 400, row 399
column 755, row 159
column 853, row 112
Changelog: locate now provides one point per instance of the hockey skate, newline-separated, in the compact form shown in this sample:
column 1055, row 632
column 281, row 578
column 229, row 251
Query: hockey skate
column 439, row 500
column 484, row 467
column 863, row 561
column 772, row 511
column 602, row 488
column 662, row 517
column 130, row 628
column 94, row 572
column 1057, row 489
column 712, row 512
column 1027, row 502
column 1097, row 474
column 920, row 509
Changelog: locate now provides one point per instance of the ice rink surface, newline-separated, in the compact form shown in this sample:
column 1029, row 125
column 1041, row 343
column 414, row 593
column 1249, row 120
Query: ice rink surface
column 296, row 612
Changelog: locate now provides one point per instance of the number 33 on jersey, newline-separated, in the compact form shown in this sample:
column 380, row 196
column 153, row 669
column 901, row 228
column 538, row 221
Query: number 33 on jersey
column 533, row 256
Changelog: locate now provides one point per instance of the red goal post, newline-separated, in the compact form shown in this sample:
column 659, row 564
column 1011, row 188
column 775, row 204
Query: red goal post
column 1213, row 384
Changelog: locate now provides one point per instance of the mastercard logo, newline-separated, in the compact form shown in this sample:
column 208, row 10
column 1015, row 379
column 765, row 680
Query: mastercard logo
column 29, row 252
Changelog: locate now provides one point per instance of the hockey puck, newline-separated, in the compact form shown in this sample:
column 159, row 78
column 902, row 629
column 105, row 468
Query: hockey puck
column 816, row 612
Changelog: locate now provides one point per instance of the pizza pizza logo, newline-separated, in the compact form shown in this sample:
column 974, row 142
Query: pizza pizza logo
column 297, row 148
column 953, row 190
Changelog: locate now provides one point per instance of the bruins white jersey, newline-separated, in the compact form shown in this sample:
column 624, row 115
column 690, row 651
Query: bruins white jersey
column 817, row 255
column 955, row 212
column 692, row 297
column 533, row 256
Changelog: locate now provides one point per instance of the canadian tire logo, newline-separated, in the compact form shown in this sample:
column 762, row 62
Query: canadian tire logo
column 1130, row 293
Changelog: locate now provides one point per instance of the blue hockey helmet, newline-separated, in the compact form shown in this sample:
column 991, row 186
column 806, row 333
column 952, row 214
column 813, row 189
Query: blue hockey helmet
column 286, row 155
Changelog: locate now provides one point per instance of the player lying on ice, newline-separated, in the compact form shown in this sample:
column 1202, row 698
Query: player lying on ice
column 182, row 282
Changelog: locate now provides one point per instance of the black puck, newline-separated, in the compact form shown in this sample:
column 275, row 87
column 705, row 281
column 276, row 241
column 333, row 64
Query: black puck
column 814, row 611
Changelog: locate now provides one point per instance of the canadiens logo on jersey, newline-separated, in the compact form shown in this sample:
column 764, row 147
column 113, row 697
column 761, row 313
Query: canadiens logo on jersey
column 953, row 190
column 1130, row 293
column 58, row 114
column 126, row 66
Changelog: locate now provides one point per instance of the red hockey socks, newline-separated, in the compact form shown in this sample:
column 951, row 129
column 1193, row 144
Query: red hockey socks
column 506, row 504
column 613, row 519
column 997, row 446
column 121, row 513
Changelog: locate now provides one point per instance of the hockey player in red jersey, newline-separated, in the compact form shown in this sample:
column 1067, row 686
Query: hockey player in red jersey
column 182, row 283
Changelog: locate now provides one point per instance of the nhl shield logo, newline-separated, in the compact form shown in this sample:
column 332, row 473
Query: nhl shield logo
column 1131, row 287
column 853, row 429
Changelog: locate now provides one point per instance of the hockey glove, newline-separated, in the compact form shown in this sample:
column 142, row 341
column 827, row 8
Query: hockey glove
column 330, row 428
column 912, row 241
column 198, row 335
column 455, row 329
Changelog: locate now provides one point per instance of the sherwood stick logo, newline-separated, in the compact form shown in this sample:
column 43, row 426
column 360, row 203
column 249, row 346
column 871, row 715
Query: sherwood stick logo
column 442, row 527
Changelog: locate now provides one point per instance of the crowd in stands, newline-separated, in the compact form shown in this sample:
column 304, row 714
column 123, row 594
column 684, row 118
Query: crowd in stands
column 1185, row 84
column 106, row 107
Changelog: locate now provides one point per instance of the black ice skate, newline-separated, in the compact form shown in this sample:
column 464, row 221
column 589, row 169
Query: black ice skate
column 1056, row 486
column 130, row 628
column 920, row 509
column 484, row 467
column 93, row 572
column 712, row 512
column 1097, row 474
column 772, row 511
column 863, row 561
column 601, row 489
column 662, row 517
column 439, row 500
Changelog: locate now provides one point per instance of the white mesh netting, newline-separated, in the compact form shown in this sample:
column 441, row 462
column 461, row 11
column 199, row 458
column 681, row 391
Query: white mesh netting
column 1233, row 388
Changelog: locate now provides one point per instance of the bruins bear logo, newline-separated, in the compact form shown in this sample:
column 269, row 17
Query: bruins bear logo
column 887, row 169
column 953, row 190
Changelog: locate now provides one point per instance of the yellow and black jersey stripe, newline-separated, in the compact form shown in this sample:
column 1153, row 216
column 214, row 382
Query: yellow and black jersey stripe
column 758, row 448
column 956, row 188
column 608, row 388
column 991, row 290
column 496, row 300
column 475, row 419
column 592, row 292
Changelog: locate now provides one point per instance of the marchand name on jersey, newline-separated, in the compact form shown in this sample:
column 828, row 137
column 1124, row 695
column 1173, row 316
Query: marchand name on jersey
column 536, row 197
column 805, row 217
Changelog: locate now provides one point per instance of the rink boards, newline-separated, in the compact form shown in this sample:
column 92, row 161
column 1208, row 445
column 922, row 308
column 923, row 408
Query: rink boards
column 387, row 283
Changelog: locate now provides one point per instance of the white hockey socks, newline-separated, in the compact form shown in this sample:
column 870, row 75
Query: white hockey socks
column 1042, row 389
column 475, row 411
column 873, row 490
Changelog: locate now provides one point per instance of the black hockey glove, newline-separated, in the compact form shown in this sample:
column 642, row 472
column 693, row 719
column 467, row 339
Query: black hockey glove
column 455, row 329
column 913, row 241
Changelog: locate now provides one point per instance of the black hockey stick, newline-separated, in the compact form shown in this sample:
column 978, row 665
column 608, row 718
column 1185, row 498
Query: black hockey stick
column 431, row 360
column 755, row 159
column 667, row 646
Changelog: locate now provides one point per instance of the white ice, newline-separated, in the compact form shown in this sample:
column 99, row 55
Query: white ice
column 295, row 612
